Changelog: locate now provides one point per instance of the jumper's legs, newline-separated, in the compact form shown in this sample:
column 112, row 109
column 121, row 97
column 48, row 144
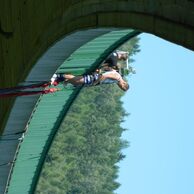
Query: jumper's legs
column 75, row 80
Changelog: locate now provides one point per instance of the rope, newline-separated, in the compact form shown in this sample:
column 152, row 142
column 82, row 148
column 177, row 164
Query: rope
column 20, row 90
column 29, row 93
column 30, row 86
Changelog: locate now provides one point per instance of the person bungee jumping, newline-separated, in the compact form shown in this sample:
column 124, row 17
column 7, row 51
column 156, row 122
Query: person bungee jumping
column 93, row 79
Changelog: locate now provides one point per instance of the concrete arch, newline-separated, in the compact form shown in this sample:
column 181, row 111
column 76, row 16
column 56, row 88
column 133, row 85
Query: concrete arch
column 28, row 28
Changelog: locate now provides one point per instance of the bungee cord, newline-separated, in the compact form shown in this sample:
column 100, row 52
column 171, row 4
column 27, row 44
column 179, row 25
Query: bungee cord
column 23, row 90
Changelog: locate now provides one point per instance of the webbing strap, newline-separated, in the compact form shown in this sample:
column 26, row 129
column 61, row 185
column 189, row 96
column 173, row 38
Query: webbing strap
column 21, row 90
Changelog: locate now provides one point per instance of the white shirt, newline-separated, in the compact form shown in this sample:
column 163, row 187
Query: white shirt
column 110, row 80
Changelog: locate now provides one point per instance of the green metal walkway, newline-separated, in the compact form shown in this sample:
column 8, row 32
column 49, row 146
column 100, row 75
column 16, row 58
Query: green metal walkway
column 51, row 109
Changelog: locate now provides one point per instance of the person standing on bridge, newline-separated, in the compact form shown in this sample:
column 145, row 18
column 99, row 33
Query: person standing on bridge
column 111, row 61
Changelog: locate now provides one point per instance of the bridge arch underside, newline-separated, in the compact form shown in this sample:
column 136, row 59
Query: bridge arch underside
column 171, row 20
column 29, row 28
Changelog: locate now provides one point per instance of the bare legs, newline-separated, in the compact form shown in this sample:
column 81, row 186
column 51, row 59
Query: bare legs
column 74, row 80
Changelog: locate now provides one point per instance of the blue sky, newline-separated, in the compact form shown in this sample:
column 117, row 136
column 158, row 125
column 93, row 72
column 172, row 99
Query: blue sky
column 160, row 159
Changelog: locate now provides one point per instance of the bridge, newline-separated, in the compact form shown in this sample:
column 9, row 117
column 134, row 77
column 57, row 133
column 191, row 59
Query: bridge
column 39, row 38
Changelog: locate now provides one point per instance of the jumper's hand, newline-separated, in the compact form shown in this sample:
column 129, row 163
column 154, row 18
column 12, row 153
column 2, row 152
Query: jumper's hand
column 101, row 78
column 96, row 82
